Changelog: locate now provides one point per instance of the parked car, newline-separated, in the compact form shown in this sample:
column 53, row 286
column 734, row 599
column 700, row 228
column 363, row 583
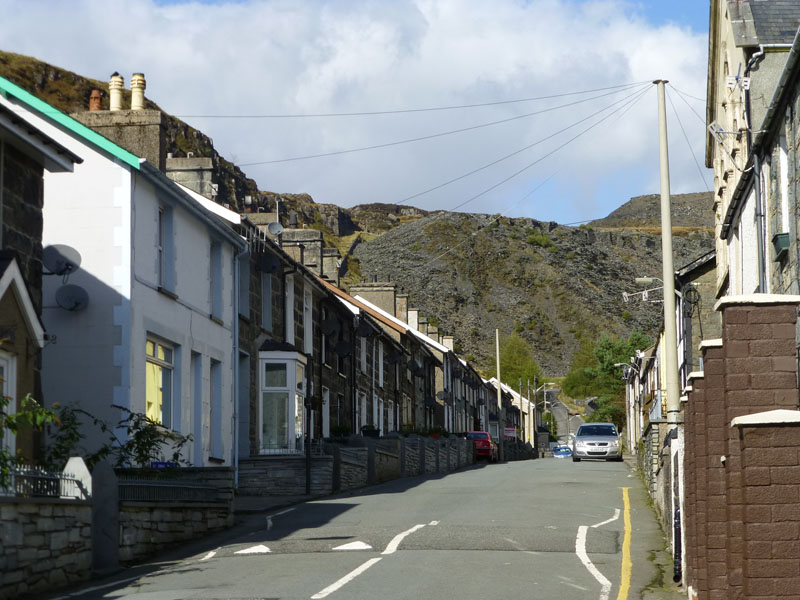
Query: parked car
column 562, row 452
column 483, row 445
column 596, row 440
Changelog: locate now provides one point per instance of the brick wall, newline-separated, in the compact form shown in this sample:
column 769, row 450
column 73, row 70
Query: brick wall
column 751, row 371
column 770, row 483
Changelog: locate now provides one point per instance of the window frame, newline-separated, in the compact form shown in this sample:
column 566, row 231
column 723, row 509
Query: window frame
column 162, row 364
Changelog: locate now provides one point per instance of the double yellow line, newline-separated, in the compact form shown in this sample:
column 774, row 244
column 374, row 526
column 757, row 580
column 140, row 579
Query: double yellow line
column 627, row 565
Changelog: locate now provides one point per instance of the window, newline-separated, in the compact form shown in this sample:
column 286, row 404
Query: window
column 290, row 310
column 783, row 168
column 266, row 301
column 215, row 418
column 282, row 402
column 158, row 382
column 244, row 285
column 8, row 390
column 165, row 250
column 380, row 364
column 338, row 409
column 326, row 412
column 308, row 323
column 216, row 280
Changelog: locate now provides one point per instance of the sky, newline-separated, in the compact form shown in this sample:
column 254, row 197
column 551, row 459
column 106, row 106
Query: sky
column 535, row 108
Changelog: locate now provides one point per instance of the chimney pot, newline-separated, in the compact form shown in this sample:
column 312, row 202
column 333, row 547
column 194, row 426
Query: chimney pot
column 115, row 86
column 137, row 91
column 94, row 101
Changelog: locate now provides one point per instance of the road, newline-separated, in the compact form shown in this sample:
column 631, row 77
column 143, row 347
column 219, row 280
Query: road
column 565, row 423
column 542, row 529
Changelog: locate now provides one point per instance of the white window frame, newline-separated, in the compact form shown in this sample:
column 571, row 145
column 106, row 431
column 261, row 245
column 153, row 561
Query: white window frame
column 783, row 168
column 308, row 322
column 296, row 393
column 163, row 364
column 266, row 301
column 363, row 353
column 326, row 412
column 165, row 249
column 215, row 275
column 290, row 310
column 8, row 387
column 380, row 363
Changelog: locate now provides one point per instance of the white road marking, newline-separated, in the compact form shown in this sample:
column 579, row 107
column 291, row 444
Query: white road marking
column 390, row 549
column 260, row 549
column 278, row 514
column 346, row 579
column 580, row 550
column 211, row 554
column 433, row 523
column 393, row 545
column 97, row 587
column 607, row 521
column 354, row 546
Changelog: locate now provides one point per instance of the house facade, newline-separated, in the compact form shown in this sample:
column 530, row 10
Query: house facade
column 148, row 324
column 26, row 153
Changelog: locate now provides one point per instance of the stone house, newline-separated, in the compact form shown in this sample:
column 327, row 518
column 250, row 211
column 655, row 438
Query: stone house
column 737, row 474
column 148, row 321
column 25, row 153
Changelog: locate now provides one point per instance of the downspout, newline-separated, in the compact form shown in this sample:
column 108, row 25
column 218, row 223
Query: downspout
column 760, row 225
column 236, row 395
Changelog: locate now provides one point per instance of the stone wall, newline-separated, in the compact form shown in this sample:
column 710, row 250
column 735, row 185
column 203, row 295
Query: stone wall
column 147, row 528
column 45, row 544
column 284, row 475
column 354, row 468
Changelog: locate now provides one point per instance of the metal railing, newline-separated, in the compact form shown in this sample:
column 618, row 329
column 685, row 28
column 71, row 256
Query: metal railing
column 35, row 482
column 145, row 490
column 317, row 448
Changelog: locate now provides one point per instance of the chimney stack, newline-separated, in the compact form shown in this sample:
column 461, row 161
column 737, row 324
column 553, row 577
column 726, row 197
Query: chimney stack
column 137, row 91
column 115, row 86
column 95, row 103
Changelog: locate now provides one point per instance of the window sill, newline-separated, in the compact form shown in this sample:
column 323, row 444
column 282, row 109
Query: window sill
column 215, row 460
column 167, row 293
column 216, row 319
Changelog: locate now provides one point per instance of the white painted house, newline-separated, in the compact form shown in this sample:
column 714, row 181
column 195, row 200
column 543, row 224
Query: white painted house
column 157, row 335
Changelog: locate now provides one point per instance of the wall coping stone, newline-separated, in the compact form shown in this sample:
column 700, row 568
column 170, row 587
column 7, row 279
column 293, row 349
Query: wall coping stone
column 167, row 504
column 715, row 343
column 756, row 299
column 770, row 417
column 62, row 501
column 695, row 375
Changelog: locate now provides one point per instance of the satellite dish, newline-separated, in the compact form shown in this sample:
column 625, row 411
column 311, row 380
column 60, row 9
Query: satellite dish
column 343, row 348
column 72, row 297
column 443, row 395
column 60, row 259
column 415, row 367
column 394, row 357
column 364, row 329
column 275, row 228
column 330, row 326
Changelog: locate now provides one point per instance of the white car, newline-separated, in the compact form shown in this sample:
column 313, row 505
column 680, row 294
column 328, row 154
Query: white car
column 597, row 440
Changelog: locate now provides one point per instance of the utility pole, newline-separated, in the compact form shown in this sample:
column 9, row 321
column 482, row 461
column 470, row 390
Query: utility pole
column 500, row 415
column 670, row 327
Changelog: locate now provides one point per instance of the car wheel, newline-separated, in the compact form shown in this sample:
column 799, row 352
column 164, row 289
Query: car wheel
column 575, row 459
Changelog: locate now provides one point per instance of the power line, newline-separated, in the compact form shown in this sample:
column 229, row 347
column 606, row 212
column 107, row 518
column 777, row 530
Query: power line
column 703, row 100
column 686, row 137
column 431, row 136
column 681, row 96
column 507, row 156
column 528, row 166
column 408, row 110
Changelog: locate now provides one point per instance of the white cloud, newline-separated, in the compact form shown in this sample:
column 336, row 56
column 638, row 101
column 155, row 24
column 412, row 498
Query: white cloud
column 278, row 57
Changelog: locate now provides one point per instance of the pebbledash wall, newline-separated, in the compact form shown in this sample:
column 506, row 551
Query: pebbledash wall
column 742, row 456
column 347, row 468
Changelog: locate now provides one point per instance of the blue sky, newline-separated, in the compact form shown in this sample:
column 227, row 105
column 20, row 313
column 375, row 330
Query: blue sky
column 558, row 155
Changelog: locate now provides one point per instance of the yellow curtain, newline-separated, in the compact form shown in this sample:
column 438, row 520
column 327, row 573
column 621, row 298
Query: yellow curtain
column 153, row 391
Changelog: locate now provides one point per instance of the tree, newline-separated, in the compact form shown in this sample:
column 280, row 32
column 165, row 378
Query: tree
column 516, row 361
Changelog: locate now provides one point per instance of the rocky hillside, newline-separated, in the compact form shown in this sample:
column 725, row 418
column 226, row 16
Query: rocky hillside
column 467, row 273
column 550, row 283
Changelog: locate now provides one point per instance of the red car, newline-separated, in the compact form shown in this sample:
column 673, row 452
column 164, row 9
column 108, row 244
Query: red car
column 483, row 445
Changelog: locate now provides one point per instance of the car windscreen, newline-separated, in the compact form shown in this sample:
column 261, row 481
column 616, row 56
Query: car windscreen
column 478, row 436
column 597, row 430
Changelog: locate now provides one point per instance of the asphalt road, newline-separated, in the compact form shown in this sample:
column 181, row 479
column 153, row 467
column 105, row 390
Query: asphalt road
column 546, row 529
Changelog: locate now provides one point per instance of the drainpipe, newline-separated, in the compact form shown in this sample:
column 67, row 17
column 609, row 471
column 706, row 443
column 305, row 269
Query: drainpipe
column 762, row 277
column 236, row 394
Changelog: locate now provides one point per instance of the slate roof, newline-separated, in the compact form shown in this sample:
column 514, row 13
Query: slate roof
column 757, row 22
